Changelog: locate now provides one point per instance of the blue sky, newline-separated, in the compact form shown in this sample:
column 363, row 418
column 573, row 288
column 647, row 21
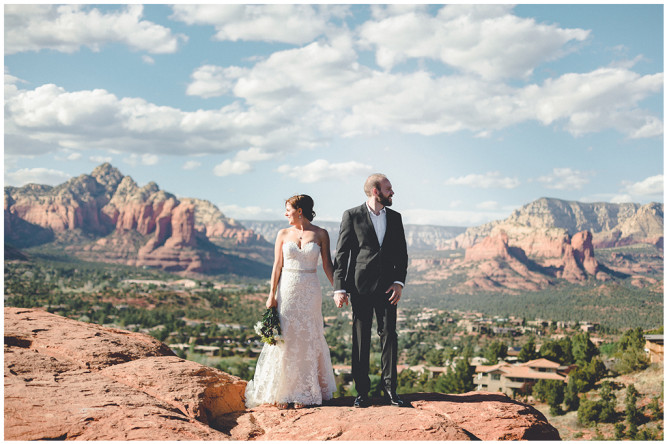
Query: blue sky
column 472, row 111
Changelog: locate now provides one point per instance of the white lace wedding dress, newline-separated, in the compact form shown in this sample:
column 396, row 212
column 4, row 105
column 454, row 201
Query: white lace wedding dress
column 299, row 369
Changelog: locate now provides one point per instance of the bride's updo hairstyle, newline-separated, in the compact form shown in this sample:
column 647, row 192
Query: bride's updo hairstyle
column 305, row 203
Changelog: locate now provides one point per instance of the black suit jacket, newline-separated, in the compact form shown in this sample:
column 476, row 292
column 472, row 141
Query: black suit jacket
column 361, row 266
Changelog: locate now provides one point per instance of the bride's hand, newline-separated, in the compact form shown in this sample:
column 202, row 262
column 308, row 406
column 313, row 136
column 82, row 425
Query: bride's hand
column 271, row 302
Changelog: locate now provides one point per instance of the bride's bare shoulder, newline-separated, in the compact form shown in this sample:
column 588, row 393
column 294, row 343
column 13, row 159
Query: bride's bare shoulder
column 321, row 232
column 282, row 233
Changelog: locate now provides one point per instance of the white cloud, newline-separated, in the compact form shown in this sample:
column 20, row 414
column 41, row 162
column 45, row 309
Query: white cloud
column 322, row 170
column 252, row 212
column 651, row 186
column 67, row 155
column 253, row 155
column 303, row 97
column 43, row 176
column 49, row 117
column 67, row 28
column 491, row 179
column 487, row 40
column 101, row 159
column 143, row 159
column 450, row 217
column 296, row 24
column 488, row 205
column 606, row 98
column 212, row 81
column 191, row 165
column 231, row 167
column 621, row 198
column 566, row 179
column 242, row 162
column 148, row 59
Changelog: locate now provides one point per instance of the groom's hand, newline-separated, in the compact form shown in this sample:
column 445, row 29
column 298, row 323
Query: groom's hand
column 394, row 291
column 339, row 298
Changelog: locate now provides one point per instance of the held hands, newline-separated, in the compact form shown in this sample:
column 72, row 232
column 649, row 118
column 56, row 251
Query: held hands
column 340, row 298
column 395, row 290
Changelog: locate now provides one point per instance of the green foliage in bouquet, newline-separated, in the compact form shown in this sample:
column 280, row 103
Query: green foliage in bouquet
column 269, row 327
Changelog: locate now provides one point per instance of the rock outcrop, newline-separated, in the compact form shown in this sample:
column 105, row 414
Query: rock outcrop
column 107, row 217
column 210, row 221
column 548, row 218
column 433, row 417
column 66, row 379
column 499, row 266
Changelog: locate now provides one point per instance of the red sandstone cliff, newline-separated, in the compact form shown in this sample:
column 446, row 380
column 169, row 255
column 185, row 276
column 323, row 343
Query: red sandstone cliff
column 548, row 219
column 132, row 225
column 69, row 380
column 499, row 266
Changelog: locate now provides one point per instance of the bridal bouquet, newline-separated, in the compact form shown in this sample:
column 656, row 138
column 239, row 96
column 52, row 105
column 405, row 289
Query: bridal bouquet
column 269, row 327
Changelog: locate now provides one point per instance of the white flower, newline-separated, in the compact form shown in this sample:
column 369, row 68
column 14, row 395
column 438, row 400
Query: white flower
column 258, row 328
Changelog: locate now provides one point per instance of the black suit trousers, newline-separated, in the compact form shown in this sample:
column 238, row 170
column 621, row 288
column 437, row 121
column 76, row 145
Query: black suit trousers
column 363, row 307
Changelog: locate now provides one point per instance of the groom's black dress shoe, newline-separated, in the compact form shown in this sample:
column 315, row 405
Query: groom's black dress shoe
column 392, row 398
column 362, row 401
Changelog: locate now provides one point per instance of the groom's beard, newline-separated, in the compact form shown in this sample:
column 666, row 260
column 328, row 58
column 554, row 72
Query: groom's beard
column 384, row 199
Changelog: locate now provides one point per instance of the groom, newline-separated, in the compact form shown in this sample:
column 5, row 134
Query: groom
column 370, row 266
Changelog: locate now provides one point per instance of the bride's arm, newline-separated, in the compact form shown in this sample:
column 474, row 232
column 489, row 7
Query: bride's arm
column 327, row 265
column 277, row 269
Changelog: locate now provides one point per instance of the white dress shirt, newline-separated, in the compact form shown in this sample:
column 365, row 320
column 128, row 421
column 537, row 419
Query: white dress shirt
column 379, row 222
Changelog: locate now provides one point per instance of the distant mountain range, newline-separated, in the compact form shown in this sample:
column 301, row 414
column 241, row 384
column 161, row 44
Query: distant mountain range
column 106, row 217
column 610, row 224
column 541, row 244
column 418, row 237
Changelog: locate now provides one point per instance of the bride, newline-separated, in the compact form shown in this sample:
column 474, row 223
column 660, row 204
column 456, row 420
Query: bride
column 298, row 370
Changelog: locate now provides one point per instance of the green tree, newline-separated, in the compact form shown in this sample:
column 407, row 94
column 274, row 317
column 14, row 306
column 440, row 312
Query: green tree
column 608, row 403
column 528, row 352
column 654, row 407
column 496, row 350
column 566, row 348
column 552, row 392
column 587, row 375
column 583, row 349
column 632, row 415
column 552, row 351
column 571, row 395
column 619, row 431
column 632, row 339
column 435, row 357
column 458, row 380
column 630, row 352
column 588, row 412
column 406, row 381
column 631, row 360
column 376, row 386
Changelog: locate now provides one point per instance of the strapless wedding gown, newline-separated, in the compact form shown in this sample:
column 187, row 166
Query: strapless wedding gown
column 298, row 369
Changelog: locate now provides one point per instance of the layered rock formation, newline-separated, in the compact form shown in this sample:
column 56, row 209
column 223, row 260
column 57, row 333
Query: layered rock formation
column 548, row 219
column 106, row 216
column 66, row 379
column 210, row 221
column 500, row 266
